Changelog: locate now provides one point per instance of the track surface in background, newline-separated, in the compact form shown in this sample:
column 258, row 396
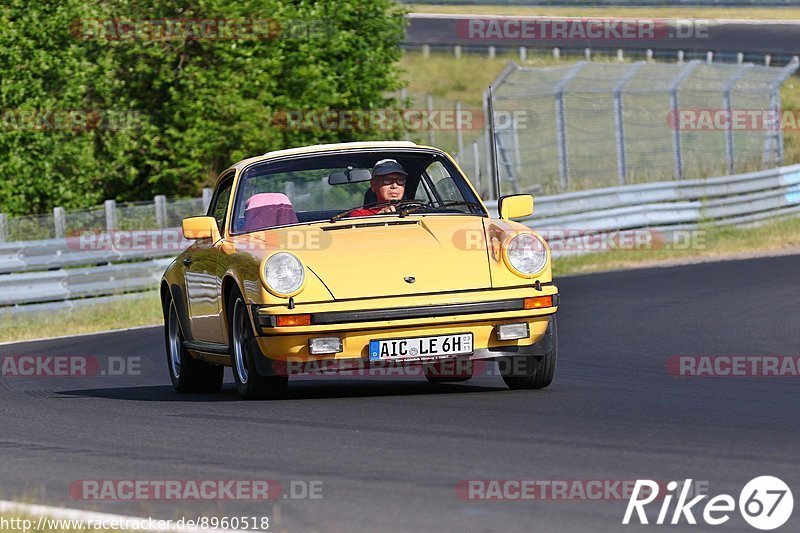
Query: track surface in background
column 391, row 450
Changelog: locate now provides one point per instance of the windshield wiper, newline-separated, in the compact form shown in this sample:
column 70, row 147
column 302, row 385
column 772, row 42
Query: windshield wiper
column 452, row 203
column 459, row 202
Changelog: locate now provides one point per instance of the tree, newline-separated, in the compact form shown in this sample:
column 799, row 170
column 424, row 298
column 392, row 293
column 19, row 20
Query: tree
column 187, row 93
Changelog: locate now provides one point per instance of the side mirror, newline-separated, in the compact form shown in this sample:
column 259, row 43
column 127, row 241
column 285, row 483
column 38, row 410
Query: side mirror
column 515, row 206
column 200, row 228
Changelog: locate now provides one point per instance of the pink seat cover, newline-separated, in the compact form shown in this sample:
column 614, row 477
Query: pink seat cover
column 266, row 210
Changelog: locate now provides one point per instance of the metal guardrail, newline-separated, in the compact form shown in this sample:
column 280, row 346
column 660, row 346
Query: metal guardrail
column 614, row 3
column 27, row 256
column 70, row 284
column 724, row 36
column 669, row 207
column 54, row 274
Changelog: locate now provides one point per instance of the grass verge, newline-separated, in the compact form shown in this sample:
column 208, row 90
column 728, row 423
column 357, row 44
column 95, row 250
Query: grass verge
column 766, row 13
column 707, row 244
column 126, row 313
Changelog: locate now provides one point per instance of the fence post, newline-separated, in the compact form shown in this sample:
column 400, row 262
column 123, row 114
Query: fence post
column 775, row 105
column 523, row 53
column 160, row 203
column 709, row 57
column 431, row 133
column 556, row 53
column 457, row 51
column 587, row 54
column 477, row 165
column 207, row 192
column 561, row 124
column 59, row 222
column 111, row 214
column 404, row 107
column 459, row 125
column 492, row 52
column 622, row 164
column 426, row 50
column 681, row 56
column 3, row 227
column 620, row 55
column 490, row 170
column 727, row 105
column 674, row 103
column 739, row 58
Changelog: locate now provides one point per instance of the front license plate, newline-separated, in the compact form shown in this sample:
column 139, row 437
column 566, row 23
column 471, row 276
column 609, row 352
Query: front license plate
column 420, row 347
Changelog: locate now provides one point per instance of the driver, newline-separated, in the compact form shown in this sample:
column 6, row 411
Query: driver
column 388, row 183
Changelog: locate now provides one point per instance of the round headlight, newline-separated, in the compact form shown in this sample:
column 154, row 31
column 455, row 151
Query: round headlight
column 284, row 273
column 526, row 254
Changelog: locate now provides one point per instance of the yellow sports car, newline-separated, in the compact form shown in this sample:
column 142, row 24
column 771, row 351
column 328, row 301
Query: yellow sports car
column 357, row 255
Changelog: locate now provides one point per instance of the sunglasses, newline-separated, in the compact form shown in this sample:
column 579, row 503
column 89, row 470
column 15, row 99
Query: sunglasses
column 388, row 180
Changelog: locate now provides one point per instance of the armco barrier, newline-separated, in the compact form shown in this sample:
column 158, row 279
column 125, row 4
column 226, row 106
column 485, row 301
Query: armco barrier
column 56, row 273
column 68, row 284
column 26, row 256
column 738, row 200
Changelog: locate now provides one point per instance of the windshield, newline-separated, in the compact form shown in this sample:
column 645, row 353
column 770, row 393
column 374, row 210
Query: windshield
column 321, row 188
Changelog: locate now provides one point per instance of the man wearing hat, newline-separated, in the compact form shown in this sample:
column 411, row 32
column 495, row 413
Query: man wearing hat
column 388, row 183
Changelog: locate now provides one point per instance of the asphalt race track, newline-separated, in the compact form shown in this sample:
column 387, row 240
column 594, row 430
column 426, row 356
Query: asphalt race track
column 390, row 450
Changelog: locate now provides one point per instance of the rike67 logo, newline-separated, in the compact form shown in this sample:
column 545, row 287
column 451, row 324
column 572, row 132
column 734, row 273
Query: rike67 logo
column 765, row 503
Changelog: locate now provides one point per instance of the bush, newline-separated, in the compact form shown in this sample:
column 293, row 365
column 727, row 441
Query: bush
column 130, row 118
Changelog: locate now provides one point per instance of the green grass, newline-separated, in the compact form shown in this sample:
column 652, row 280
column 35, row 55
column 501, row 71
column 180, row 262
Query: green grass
column 782, row 236
column 448, row 78
column 125, row 313
column 769, row 13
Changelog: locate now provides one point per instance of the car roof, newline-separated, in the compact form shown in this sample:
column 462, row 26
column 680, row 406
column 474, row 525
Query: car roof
column 324, row 148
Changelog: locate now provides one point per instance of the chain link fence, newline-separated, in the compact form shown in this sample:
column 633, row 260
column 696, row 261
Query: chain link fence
column 591, row 125
column 162, row 212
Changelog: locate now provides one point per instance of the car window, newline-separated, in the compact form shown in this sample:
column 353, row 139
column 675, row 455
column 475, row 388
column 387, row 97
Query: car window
column 443, row 183
column 219, row 205
column 316, row 188
column 422, row 193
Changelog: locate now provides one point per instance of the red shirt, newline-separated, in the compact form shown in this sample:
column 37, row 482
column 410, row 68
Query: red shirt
column 366, row 211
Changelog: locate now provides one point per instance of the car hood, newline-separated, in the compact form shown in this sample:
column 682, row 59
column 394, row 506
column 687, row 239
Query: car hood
column 391, row 256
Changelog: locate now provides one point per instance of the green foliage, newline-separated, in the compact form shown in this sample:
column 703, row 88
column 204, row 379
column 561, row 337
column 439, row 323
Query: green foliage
column 166, row 115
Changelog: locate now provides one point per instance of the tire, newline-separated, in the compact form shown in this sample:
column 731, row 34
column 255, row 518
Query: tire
column 532, row 371
column 448, row 371
column 244, row 349
column 187, row 373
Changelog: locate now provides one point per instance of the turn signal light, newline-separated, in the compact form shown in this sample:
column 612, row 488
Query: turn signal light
column 293, row 320
column 538, row 302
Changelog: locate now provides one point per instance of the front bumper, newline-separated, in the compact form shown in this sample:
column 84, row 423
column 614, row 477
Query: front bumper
column 481, row 316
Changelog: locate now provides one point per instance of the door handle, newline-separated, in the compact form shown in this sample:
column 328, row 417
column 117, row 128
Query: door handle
column 187, row 261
